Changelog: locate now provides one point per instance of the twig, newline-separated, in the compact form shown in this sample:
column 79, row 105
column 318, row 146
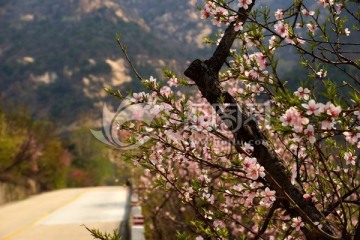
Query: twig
column 123, row 49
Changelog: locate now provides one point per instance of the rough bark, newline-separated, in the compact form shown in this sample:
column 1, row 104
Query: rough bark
column 206, row 76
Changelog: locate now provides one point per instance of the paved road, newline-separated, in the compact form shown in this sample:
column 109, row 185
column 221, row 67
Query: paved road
column 59, row 215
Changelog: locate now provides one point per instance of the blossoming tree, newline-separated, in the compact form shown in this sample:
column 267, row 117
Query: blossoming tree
column 253, row 156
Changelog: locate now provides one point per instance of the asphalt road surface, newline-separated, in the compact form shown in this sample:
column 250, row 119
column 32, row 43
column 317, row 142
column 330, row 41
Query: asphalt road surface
column 61, row 215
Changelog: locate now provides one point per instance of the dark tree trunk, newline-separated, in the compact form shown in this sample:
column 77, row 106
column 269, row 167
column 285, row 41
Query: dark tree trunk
column 206, row 76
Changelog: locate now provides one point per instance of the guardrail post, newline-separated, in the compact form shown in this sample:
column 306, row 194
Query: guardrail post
column 125, row 228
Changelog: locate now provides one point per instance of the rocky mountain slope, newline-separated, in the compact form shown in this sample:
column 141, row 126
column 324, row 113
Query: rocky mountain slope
column 56, row 56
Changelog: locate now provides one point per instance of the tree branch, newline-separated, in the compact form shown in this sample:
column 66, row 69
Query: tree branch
column 206, row 76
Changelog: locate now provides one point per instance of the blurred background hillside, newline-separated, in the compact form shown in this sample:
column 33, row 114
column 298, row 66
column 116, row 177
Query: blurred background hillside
column 56, row 56
column 55, row 59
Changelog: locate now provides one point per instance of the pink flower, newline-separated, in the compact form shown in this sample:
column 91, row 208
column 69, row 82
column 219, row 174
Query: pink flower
column 218, row 223
column 302, row 93
column 346, row 32
column 187, row 196
column 292, row 117
column 269, row 194
column 216, row 21
column 339, row 8
column 297, row 223
column 261, row 60
column 204, row 178
column 151, row 80
column 290, row 238
column 326, row 3
column 300, row 41
column 252, row 74
column 201, row 123
column 173, row 82
column 327, row 124
column 272, row 41
column 290, row 40
column 309, row 132
column 349, row 158
column 288, row 118
column 249, row 162
column 238, row 26
column 312, row 108
column 312, row 27
column 205, row 13
column 244, row 3
column 248, row 148
column 279, row 14
column 238, row 187
column 156, row 110
column 282, row 29
column 138, row 97
column 351, row 137
column 322, row 73
column 209, row 197
column 255, row 171
column 298, row 151
column 210, row 5
column 268, row 197
column 332, row 110
column 307, row 13
column 166, row 91
column 357, row 114
column 249, row 198
column 219, row 14
column 307, row 196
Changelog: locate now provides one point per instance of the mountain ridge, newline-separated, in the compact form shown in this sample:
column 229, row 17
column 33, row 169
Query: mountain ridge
column 57, row 56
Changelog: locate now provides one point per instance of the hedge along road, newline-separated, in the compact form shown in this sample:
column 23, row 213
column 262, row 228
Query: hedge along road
column 62, row 214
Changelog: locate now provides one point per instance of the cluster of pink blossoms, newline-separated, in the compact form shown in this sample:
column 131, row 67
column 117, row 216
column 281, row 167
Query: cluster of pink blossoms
column 182, row 162
column 283, row 29
column 221, row 16
column 326, row 3
column 353, row 137
column 201, row 123
column 253, row 68
column 195, row 147
column 253, row 169
column 313, row 108
column 295, row 119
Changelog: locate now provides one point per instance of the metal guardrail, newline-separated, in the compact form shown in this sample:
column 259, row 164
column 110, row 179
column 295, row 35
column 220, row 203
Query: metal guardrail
column 125, row 228
column 137, row 218
column 132, row 227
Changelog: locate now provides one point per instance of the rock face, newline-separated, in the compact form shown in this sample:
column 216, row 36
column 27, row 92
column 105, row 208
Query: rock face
column 57, row 56
column 11, row 192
